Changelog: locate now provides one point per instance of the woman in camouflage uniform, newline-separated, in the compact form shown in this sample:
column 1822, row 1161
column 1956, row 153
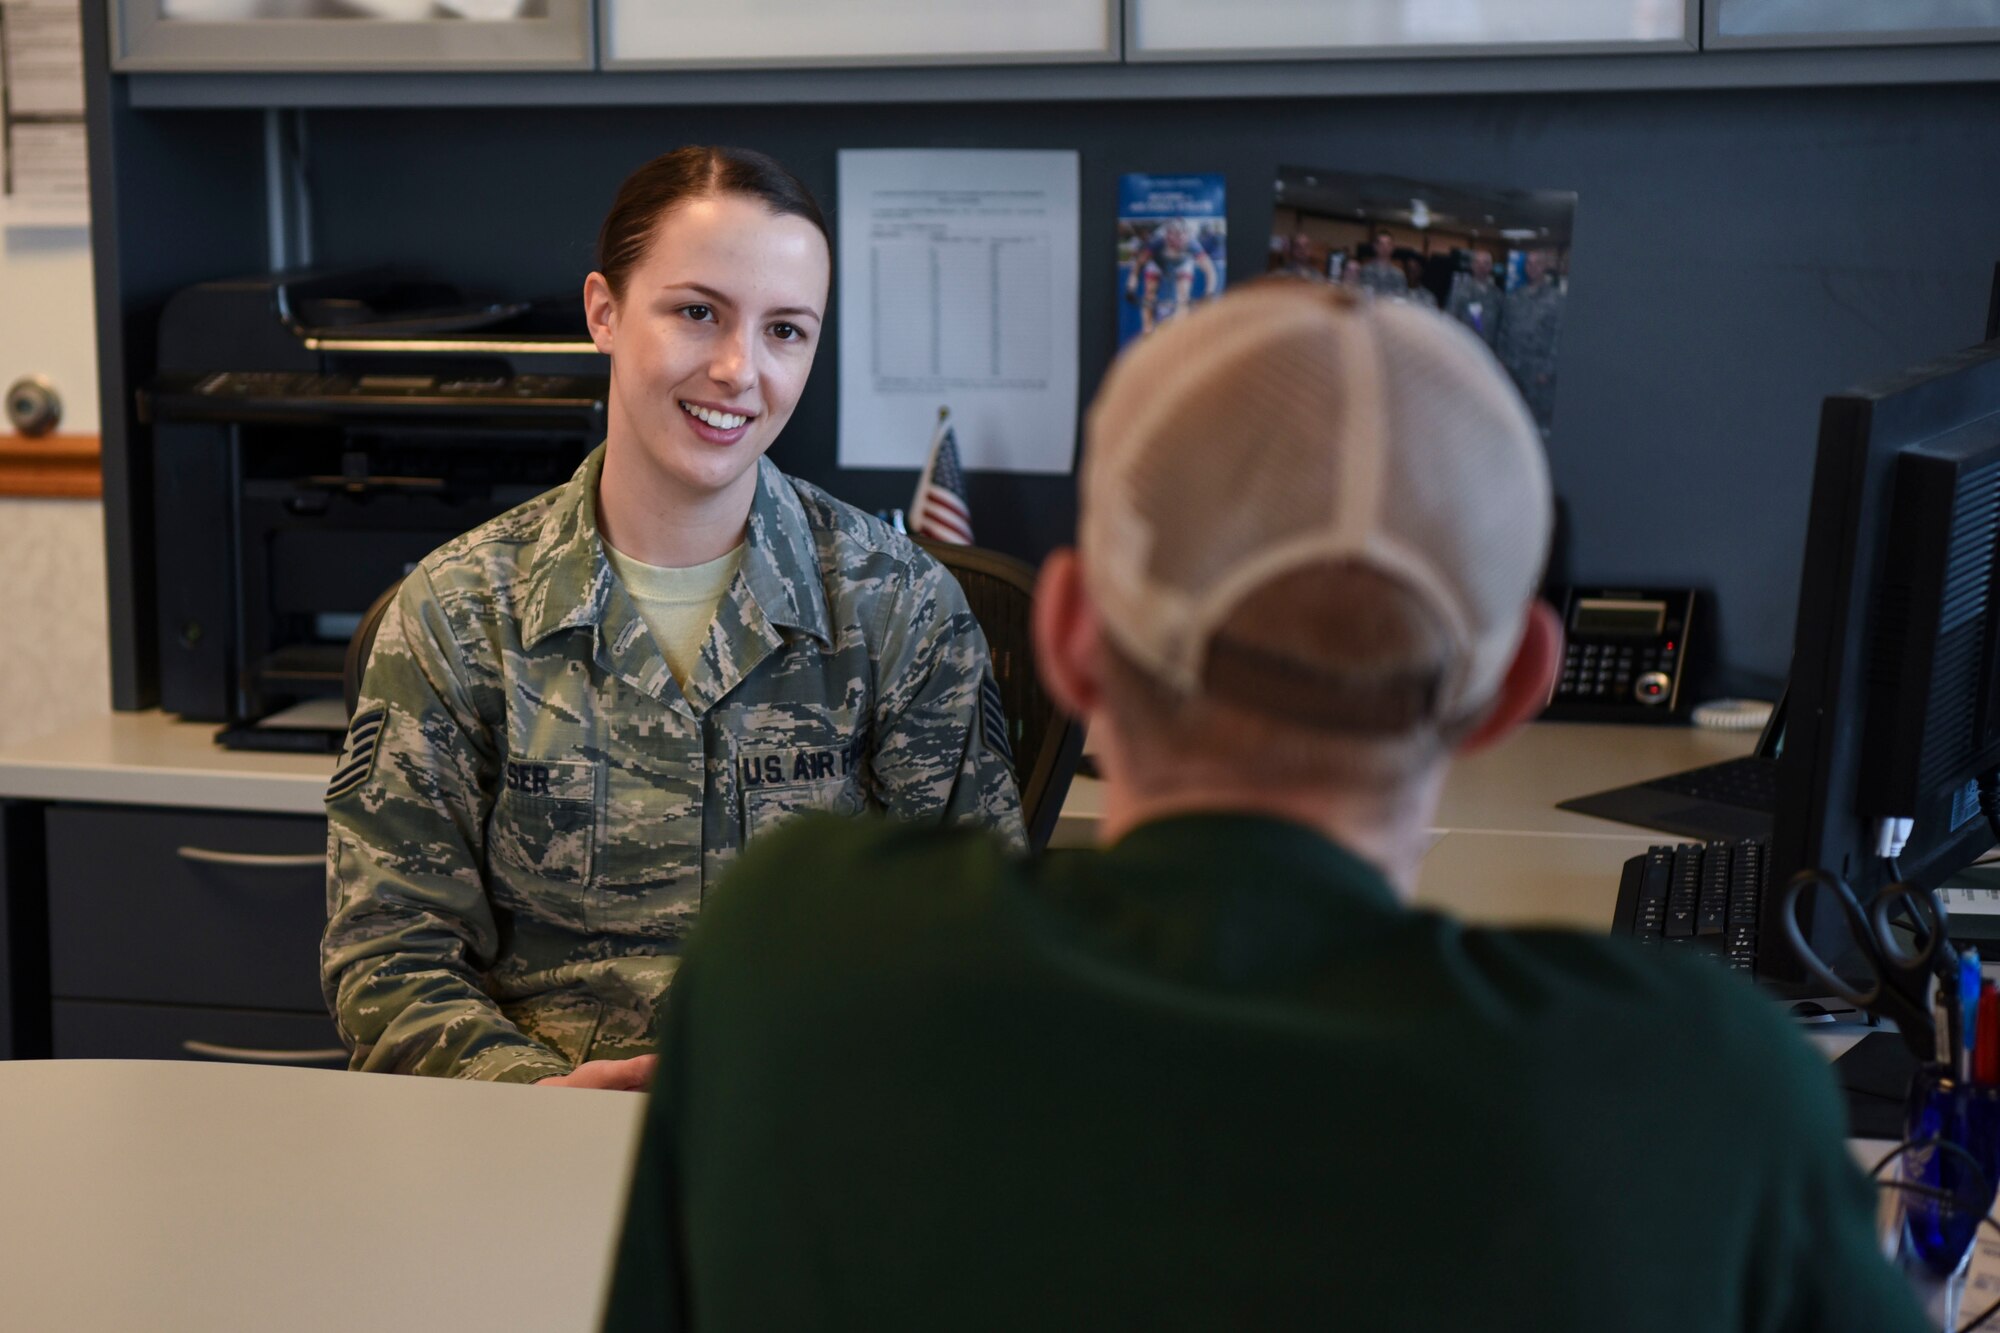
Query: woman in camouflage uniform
column 576, row 714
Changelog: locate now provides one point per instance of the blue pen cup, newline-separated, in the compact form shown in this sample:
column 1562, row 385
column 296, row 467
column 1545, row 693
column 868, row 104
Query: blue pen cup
column 1956, row 1127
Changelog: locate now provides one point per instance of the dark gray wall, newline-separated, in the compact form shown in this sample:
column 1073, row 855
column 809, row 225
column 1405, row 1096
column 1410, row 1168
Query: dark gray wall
column 174, row 200
column 1738, row 255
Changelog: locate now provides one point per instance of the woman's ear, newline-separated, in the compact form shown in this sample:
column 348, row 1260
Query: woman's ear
column 600, row 311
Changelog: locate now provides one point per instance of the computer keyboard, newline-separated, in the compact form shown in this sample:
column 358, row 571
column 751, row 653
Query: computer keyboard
column 1751, row 782
column 1700, row 896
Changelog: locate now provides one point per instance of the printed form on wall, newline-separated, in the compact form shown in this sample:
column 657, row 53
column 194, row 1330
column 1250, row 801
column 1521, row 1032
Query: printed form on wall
column 43, row 165
column 958, row 289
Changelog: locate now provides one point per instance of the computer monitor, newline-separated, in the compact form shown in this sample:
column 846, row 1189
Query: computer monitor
column 1894, row 704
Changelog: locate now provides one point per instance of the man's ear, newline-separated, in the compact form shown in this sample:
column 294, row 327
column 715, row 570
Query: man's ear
column 1525, row 689
column 600, row 311
column 1065, row 633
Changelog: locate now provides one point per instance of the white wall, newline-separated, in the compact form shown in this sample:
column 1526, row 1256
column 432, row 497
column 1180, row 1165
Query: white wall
column 46, row 324
column 55, row 664
column 54, row 655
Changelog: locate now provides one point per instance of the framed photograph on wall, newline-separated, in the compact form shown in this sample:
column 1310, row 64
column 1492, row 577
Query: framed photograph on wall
column 363, row 35
column 1493, row 257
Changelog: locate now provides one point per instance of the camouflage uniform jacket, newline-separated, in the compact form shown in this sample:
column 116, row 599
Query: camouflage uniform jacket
column 1530, row 323
column 530, row 808
column 1383, row 279
column 1476, row 303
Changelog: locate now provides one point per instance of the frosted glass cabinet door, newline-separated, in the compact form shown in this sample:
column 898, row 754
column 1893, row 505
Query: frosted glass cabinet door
column 340, row 35
column 1849, row 22
column 1294, row 29
column 659, row 34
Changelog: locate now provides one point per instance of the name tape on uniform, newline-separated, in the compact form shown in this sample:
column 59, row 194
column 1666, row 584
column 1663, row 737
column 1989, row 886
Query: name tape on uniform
column 785, row 767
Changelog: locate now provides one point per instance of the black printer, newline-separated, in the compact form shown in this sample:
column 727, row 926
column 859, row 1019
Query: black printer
column 314, row 436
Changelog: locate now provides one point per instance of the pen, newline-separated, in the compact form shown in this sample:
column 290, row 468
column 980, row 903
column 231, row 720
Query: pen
column 1944, row 1026
column 1986, row 1056
column 1969, row 979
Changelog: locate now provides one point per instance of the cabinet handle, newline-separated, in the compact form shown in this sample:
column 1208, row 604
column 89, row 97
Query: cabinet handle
column 316, row 1055
column 267, row 860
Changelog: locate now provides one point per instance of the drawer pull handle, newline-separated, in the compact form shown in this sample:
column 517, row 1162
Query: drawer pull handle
column 314, row 1055
column 267, row 860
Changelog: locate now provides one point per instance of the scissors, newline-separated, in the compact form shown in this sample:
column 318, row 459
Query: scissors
column 1900, row 985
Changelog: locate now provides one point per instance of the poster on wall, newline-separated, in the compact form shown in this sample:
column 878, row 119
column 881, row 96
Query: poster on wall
column 1495, row 258
column 43, row 168
column 958, row 273
column 1172, row 252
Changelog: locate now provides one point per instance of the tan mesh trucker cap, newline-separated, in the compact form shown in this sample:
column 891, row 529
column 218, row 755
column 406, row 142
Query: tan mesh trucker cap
column 1288, row 423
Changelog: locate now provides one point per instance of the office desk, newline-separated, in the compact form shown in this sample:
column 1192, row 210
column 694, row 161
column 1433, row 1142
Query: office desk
column 150, row 758
column 122, row 802
column 171, row 894
column 1506, row 855
column 154, row 759
column 219, row 1197
column 1514, row 787
column 193, row 1198
column 1503, row 854
column 213, row 1198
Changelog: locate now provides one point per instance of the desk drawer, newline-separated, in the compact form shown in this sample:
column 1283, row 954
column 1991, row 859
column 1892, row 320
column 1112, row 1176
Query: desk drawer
column 86, row 1030
column 186, row 906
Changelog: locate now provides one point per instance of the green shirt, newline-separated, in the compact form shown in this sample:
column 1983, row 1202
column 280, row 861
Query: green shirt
column 530, row 807
column 1216, row 1077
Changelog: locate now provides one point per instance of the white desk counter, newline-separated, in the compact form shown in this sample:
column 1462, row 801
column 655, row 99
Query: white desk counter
column 142, row 1194
column 177, row 1196
column 150, row 758
column 196, row 1198
column 1503, row 853
column 1514, row 787
column 1494, row 805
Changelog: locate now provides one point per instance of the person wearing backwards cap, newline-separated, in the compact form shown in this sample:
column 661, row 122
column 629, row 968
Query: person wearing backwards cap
column 1217, row 1072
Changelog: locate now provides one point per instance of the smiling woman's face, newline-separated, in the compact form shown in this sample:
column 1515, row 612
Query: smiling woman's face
column 711, row 342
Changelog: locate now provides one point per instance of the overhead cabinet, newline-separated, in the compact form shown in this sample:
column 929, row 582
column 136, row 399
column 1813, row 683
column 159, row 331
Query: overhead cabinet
column 664, row 34
column 1298, row 29
column 329, row 35
column 363, row 36
column 1849, row 22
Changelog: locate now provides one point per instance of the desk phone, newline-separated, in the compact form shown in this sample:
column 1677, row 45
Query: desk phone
column 1624, row 656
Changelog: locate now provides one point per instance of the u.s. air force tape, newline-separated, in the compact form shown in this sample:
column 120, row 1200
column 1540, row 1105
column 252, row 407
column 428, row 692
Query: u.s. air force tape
column 357, row 757
column 786, row 765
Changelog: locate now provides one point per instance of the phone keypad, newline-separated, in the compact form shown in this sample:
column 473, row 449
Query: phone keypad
column 1613, row 672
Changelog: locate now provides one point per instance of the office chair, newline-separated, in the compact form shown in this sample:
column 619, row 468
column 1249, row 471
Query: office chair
column 999, row 589
column 361, row 643
column 1047, row 744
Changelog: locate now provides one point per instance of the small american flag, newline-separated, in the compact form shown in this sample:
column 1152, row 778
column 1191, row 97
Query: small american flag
column 938, row 509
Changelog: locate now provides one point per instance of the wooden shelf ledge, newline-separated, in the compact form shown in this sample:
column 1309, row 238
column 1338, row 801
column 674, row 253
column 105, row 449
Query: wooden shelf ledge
column 54, row 467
